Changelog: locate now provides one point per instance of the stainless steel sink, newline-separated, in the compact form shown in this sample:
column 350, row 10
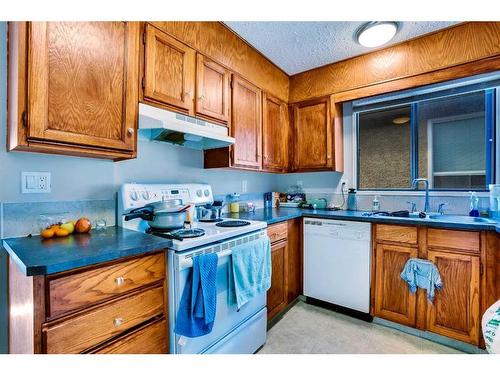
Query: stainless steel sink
column 462, row 219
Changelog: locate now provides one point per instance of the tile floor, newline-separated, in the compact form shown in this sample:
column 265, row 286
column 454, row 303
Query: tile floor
column 308, row 329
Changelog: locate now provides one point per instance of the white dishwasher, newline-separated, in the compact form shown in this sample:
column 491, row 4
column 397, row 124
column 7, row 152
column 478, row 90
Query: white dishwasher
column 337, row 259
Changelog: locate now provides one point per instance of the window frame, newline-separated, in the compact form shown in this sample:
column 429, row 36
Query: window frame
column 415, row 96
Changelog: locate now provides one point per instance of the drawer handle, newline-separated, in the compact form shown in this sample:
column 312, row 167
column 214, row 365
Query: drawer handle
column 119, row 281
column 118, row 322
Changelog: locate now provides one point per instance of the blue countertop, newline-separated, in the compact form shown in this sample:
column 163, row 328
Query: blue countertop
column 276, row 215
column 36, row 256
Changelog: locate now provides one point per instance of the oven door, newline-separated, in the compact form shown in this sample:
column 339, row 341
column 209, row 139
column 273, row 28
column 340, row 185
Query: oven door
column 227, row 320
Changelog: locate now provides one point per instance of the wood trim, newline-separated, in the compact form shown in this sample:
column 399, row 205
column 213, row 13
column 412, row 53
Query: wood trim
column 338, row 135
column 461, row 44
column 421, row 313
column 486, row 65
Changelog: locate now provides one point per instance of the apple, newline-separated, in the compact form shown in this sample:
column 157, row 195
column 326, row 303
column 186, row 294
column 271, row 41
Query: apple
column 83, row 225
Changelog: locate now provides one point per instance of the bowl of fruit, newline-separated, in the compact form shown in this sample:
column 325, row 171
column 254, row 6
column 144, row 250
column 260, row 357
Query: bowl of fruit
column 59, row 225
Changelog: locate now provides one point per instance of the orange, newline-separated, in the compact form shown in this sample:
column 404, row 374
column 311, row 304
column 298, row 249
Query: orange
column 62, row 232
column 47, row 233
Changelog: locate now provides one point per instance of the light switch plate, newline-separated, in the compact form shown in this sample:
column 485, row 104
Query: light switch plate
column 35, row 182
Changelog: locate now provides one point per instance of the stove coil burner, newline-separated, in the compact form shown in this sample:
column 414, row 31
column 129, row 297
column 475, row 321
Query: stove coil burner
column 232, row 223
column 189, row 233
column 210, row 220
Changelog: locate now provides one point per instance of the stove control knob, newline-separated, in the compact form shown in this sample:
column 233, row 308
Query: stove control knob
column 146, row 195
column 134, row 195
column 206, row 192
column 199, row 193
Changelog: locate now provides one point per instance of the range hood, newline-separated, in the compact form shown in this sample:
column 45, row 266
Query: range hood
column 160, row 125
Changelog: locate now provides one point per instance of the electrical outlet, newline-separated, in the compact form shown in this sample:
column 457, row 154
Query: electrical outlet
column 244, row 186
column 35, row 182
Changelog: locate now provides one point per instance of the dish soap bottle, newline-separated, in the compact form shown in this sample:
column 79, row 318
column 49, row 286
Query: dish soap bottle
column 376, row 204
column 474, row 203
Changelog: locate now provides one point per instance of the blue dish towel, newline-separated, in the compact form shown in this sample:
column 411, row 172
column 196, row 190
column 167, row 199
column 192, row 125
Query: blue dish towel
column 196, row 314
column 422, row 274
column 251, row 271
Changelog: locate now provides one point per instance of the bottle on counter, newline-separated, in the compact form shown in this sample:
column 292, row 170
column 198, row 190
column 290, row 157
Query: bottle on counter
column 352, row 200
column 474, row 204
column 375, row 204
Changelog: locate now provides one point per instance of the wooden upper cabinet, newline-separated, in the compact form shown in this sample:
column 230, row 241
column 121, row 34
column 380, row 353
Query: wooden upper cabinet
column 393, row 300
column 313, row 135
column 455, row 309
column 169, row 71
column 246, row 124
column 212, row 90
column 81, row 83
column 274, row 134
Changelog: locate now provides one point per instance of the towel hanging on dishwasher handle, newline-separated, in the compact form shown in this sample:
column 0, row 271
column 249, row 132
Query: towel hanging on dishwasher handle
column 420, row 273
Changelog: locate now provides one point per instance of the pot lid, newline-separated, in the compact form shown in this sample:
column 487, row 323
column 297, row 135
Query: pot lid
column 167, row 206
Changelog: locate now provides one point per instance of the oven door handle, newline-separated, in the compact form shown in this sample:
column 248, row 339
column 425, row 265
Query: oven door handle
column 188, row 263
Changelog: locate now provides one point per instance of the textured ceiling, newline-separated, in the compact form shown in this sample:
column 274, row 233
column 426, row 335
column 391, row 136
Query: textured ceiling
column 299, row 46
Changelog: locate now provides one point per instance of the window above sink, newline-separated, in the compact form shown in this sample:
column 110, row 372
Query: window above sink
column 445, row 133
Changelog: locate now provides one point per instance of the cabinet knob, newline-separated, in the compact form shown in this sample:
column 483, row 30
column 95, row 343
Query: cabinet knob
column 201, row 97
column 130, row 131
column 119, row 280
column 118, row 322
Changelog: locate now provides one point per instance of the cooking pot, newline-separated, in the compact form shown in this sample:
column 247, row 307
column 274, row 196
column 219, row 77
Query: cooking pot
column 210, row 212
column 167, row 214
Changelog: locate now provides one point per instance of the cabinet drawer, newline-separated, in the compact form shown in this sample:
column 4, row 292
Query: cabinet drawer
column 396, row 233
column 277, row 232
column 81, row 332
column 86, row 288
column 453, row 239
column 151, row 339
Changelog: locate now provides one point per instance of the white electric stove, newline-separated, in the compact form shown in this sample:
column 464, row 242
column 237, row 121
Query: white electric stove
column 132, row 196
column 235, row 331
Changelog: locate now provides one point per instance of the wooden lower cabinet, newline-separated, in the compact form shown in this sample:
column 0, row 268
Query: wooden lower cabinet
column 393, row 299
column 287, row 265
column 119, row 306
column 277, row 295
column 455, row 310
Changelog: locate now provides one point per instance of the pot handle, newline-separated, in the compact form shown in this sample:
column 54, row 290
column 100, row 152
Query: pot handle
column 146, row 215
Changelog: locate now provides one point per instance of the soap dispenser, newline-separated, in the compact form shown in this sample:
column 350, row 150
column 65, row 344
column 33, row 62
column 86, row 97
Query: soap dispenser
column 375, row 204
column 474, row 204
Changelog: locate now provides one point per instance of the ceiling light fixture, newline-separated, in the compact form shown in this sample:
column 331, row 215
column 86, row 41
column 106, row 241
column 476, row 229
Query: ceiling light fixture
column 401, row 120
column 377, row 33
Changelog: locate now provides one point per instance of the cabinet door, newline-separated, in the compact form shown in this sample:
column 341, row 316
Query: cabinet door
column 246, row 124
column 313, row 135
column 212, row 89
column 277, row 294
column 455, row 309
column 393, row 300
column 169, row 70
column 274, row 133
column 82, row 83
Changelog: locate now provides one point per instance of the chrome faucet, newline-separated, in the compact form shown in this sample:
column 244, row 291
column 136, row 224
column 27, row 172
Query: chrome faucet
column 415, row 186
